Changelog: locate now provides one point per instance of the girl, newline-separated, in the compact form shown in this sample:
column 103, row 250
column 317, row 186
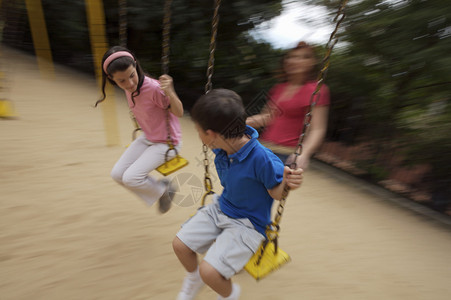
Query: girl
column 149, row 100
column 284, row 115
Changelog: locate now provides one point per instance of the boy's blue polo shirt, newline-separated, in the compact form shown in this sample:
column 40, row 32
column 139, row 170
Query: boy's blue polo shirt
column 246, row 176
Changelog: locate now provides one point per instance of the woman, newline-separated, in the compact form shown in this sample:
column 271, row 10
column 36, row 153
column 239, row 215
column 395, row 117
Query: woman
column 283, row 116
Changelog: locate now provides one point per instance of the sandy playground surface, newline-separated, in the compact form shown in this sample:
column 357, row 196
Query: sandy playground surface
column 69, row 232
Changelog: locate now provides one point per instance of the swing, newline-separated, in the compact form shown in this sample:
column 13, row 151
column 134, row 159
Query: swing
column 177, row 162
column 269, row 256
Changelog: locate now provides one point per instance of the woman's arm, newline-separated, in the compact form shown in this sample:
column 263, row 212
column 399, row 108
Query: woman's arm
column 167, row 85
column 314, row 135
column 262, row 119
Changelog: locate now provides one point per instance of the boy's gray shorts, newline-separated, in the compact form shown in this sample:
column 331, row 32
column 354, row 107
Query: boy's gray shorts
column 236, row 239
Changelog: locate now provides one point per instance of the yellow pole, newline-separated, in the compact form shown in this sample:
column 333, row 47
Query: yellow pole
column 6, row 107
column 40, row 38
column 99, row 45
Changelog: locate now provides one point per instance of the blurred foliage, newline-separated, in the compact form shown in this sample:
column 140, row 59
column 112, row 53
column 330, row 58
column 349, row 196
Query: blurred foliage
column 241, row 63
column 391, row 82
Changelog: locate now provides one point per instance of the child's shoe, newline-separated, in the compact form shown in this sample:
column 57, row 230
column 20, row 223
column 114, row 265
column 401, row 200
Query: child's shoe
column 191, row 286
column 234, row 295
column 165, row 201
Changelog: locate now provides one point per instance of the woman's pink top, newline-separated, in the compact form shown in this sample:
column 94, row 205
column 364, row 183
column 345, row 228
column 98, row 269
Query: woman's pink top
column 150, row 112
column 288, row 122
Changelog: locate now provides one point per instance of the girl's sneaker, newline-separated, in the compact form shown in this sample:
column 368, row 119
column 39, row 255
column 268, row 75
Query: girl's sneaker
column 165, row 201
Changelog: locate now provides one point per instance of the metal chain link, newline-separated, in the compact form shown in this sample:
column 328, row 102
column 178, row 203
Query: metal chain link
column 164, row 70
column 165, row 63
column 123, row 23
column 211, row 60
column 137, row 128
column 166, row 36
column 123, row 42
column 208, row 87
column 169, row 140
column 322, row 74
column 208, row 185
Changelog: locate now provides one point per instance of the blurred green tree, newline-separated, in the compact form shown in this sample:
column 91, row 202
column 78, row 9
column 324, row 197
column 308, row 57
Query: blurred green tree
column 391, row 82
column 241, row 63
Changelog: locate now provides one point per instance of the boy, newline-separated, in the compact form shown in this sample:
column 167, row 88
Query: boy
column 232, row 228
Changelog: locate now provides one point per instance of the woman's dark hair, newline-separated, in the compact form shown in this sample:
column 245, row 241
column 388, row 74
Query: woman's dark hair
column 301, row 45
column 221, row 111
column 120, row 64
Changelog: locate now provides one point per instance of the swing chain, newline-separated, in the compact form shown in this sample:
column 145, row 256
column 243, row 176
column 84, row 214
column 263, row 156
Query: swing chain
column 123, row 23
column 166, row 35
column 137, row 128
column 208, row 87
column 165, row 66
column 211, row 60
column 207, row 179
column 272, row 230
column 280, row 209
column 123, row 42
column 322, row 74
column 169, row 140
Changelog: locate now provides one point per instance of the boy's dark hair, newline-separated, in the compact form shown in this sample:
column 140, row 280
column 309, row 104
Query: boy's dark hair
column 120, row 64
column 221, row 111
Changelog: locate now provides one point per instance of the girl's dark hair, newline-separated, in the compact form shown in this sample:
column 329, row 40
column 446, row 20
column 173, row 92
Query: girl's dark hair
column 120, row 64
column 221, row 111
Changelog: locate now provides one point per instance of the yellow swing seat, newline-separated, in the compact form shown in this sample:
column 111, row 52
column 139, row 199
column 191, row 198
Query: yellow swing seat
column 268, row 258
column 172, row 165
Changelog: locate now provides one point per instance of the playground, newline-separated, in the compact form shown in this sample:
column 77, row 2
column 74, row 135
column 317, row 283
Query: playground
column 70, row 232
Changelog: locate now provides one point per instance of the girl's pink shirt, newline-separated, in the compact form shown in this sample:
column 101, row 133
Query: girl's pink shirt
column 150, row 112
column 287, row 125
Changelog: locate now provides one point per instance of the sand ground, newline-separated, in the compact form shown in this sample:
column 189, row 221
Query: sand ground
column 69, row 232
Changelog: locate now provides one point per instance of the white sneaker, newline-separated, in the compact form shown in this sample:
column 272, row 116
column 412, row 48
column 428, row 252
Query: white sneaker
column 191, row 286
column 234, row 295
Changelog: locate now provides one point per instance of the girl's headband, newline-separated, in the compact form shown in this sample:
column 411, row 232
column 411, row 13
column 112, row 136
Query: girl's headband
column 114, row 56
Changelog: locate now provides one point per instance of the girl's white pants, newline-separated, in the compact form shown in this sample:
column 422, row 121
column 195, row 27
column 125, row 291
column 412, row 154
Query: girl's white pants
column 133, row 167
